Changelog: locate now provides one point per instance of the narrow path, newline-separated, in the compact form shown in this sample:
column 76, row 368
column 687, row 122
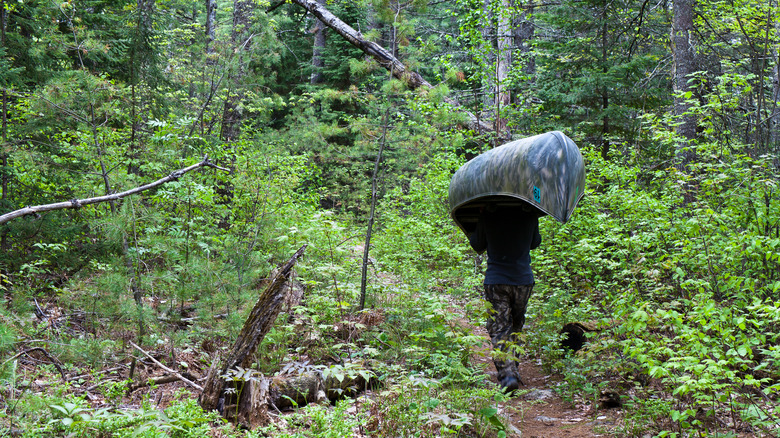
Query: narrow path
column 538, row 412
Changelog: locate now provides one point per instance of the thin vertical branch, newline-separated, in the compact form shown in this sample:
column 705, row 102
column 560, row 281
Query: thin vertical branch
column 364, row 274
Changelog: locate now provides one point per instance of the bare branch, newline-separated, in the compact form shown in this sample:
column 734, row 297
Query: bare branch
column 182, row 378
column 78, row 203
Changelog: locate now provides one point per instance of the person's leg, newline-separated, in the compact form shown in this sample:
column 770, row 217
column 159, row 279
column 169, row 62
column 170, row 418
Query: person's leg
column 500, row 327
column 520, row 296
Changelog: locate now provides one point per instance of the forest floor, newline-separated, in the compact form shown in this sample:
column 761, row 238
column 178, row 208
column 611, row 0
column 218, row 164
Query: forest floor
column 537, row 411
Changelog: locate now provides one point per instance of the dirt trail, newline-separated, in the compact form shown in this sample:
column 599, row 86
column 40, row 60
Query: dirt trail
column 538, row 412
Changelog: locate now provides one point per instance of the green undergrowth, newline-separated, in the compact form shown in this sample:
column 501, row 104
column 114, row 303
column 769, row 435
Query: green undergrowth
column 684, row 296
column 675, row 275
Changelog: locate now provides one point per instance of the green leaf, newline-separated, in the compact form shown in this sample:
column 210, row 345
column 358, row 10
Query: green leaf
column 488, row 412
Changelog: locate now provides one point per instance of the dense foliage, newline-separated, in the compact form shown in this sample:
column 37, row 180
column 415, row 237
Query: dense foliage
column 677, row 268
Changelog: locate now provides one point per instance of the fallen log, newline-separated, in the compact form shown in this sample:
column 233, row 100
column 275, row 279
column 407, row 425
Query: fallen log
column 297, row 391
column 243, row 397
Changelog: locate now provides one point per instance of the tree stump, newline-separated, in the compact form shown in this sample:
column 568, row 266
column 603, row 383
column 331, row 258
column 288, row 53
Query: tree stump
column 244, row 397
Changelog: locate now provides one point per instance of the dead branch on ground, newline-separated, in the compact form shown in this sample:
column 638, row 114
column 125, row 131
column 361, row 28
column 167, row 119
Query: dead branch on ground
column 179, row 376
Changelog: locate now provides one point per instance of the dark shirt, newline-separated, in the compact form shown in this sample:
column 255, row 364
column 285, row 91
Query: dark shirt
column 509, row 234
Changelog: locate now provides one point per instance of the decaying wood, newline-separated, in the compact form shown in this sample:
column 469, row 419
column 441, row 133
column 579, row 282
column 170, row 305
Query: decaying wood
column 297, row 391
column 78, row 203
column 246, row 400
column 310, row 387
column 386, row 59
column 182, row 378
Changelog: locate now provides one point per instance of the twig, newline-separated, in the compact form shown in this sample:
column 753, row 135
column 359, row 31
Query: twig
column 156, row 381
column 45, row 353
column 182, row 378
column 78, row 203
column 110, row 370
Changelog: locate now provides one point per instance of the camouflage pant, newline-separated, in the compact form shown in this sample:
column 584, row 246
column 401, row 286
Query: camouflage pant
column 506, row 318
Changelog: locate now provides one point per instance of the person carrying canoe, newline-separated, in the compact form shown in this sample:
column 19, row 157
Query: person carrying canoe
column 508, row 233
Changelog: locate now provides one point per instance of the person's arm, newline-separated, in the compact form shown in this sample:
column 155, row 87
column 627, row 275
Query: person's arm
column 478, row 239
column 536, row 240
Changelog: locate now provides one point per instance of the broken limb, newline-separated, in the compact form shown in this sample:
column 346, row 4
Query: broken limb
column 179, row 376
column 78, row 203
column 386, row 59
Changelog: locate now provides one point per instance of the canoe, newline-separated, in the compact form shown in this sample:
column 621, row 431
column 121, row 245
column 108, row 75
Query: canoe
column 546, row 173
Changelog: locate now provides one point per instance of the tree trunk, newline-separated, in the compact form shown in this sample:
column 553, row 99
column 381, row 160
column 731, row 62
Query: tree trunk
column 523, row 34
column 211, row 32
column 232, row 114
column 386, row 59
column 503, row 63
column 241, row 42
column 3, row 138
column 317, row 63
column 683, row 49
column 604, row 89
column 139, row 62
column 774, row 120
column 244, row 397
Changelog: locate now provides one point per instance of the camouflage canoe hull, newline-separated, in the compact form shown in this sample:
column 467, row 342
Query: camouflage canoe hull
column 545, row 171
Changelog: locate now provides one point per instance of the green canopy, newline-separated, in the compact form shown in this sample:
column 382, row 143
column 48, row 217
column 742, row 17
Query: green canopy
column 545, row 171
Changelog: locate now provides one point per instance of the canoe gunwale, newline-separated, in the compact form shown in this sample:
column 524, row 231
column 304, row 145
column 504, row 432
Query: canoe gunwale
column 490, row 198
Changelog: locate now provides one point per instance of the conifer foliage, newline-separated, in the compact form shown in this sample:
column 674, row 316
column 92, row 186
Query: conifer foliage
column 332, row 120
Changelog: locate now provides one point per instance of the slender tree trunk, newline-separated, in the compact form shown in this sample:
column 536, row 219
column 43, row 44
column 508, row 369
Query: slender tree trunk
column 241, row 40
column 774, row 121
column 503, row 63
column 604, row 89
column 394, row 31
column 139, row 63
column 317, row 62
column 766, row 107
column 523, row 34
column 488, row 32
column 364, row 273
column 3, row 138
column 232, row 115
column 683, row 48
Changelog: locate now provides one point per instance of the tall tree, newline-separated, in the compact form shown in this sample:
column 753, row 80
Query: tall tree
column 4, row 127
column 504, row 18
column 595, row 69
column 211, row 27
column 317, row 61
column 523, row 34
column 684, row 51
column 241, row 42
